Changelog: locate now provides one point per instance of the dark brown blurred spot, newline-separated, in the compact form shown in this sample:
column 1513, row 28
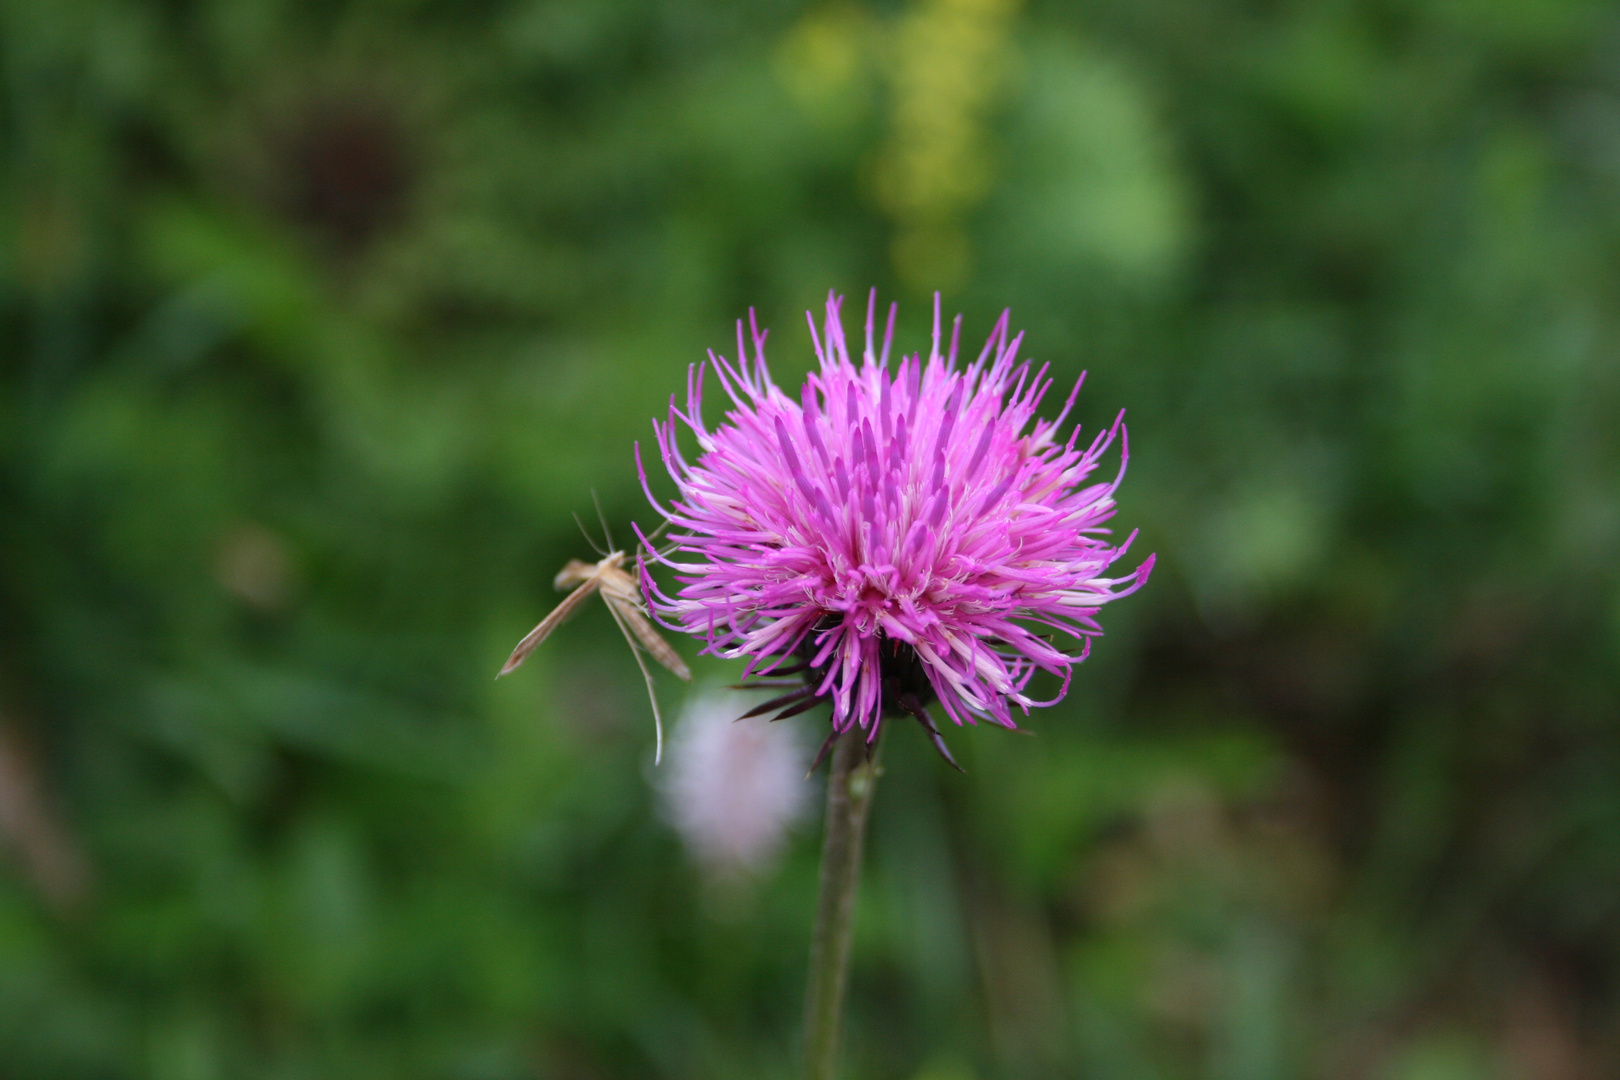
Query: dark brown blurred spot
column 346, row 168
column 1541, row 1038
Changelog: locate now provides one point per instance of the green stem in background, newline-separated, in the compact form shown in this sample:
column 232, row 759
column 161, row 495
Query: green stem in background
column 850, row 786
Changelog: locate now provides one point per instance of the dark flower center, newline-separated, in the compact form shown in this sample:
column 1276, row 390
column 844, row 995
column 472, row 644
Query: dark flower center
column 903, row 677
column 906, row 689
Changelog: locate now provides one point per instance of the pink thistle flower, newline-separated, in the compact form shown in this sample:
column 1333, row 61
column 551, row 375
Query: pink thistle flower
column 896, row 535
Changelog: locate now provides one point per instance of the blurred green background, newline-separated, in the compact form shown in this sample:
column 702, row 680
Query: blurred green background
column 318, row 321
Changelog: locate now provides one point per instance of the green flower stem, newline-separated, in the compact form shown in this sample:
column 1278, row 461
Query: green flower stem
column 850, row 786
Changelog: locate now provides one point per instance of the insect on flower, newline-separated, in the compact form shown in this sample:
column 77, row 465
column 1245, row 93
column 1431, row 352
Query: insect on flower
column 623, row 598
column 893, row 535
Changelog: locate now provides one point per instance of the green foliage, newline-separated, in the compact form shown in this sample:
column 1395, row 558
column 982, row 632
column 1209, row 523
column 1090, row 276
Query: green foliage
column 318, row 322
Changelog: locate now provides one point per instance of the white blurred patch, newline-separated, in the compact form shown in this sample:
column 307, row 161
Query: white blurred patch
column 733, row 790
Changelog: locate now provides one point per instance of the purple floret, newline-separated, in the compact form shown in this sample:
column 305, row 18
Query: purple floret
column 898, row 534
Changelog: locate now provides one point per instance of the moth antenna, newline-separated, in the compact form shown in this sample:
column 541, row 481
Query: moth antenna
column 607, row 533
column 586, row 533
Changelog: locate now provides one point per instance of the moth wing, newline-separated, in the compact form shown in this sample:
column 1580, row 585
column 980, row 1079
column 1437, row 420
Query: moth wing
column 620, row 591
column 534, row 637
column 655, row 644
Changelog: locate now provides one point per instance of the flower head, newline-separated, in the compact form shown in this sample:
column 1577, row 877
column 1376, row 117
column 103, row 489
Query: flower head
column 897, row 534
